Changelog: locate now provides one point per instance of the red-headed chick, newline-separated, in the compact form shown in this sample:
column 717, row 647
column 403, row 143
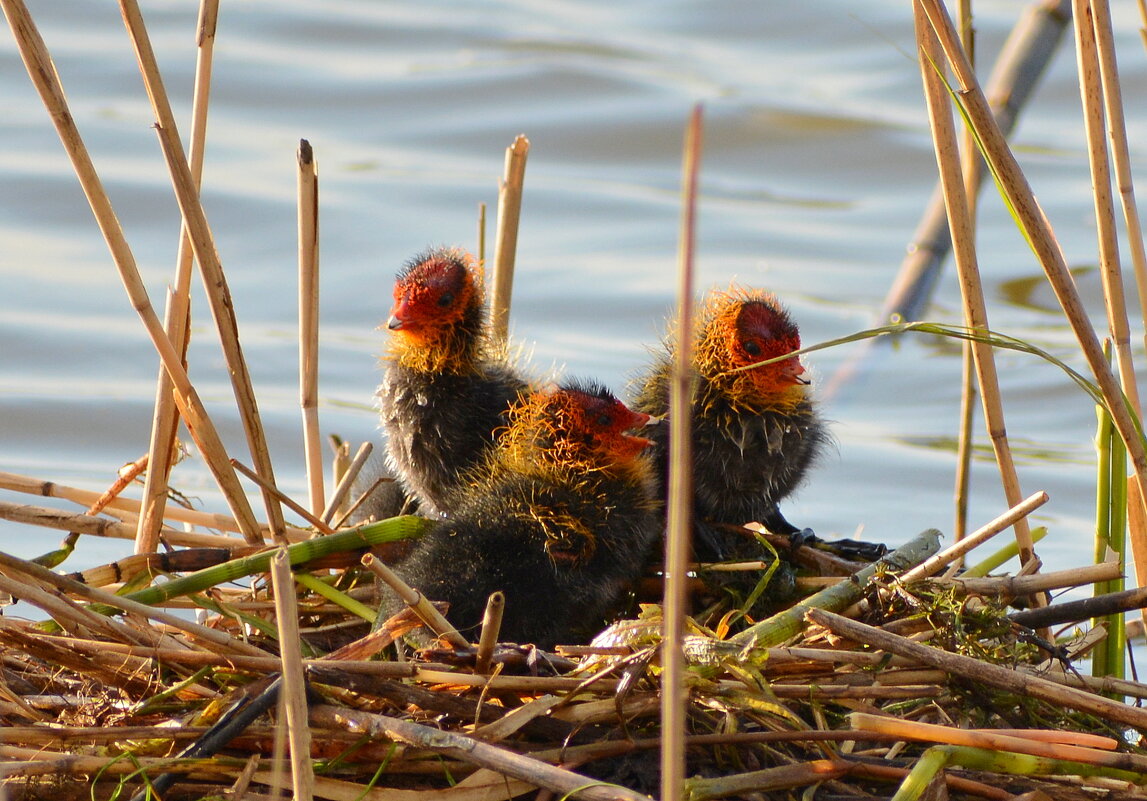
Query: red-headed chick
column 447, row 388
column 756, row 429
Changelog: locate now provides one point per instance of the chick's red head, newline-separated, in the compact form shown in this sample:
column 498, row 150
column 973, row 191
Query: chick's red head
column 598, row 422
column 580, row 425
column 434, row 293
column 741, row 329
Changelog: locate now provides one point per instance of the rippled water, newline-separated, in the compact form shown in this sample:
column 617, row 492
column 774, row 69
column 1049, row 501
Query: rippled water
column 816, row 166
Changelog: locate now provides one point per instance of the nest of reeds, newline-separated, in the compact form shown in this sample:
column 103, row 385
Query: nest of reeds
column 897, row 675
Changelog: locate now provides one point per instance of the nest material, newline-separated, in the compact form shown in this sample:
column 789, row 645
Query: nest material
column 102, row 700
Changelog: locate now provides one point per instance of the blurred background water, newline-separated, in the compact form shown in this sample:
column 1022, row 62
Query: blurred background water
column 817, row 163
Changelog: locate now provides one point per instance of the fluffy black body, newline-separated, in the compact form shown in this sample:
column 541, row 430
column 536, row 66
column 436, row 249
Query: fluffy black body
column 497, row 541
column 748, row 456
column 440, row 425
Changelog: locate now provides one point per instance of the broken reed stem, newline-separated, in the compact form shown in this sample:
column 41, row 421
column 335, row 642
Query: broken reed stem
column 981, row 535
column 506, row 237
column 1037, row 231
column 214, row 280
column 482, row 233
column 674, row 692
column 177, row 313
column 283, row 498
column 417, row 602
column 491, row 627
column 293, row 695
column 340, row 459
column 40, row 69
column 963, row 247
column 347, row 480
column 1091, row 91
column 787, row 623
column 308, row 181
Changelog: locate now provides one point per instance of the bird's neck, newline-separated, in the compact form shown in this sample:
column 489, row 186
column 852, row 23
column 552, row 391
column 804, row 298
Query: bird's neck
column 742, row 393
column 447, row 352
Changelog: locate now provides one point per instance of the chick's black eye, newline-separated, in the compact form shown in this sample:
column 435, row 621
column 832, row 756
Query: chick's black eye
column 753, row 348
column 446, row 299
column 604, row 420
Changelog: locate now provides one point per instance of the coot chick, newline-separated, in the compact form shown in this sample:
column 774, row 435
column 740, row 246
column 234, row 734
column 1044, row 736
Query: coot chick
column 447, row 387
column 756, row 431
column 561, row 518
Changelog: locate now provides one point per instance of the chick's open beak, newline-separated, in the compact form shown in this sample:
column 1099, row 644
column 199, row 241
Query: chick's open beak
column 793, row 371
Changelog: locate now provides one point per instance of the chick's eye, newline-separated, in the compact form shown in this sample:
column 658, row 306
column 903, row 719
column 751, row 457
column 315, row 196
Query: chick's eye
column 604, row 420
column 752, row 347
column 446, row 299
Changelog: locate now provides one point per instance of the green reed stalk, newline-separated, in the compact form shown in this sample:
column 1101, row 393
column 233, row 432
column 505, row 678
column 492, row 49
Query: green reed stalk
column 1110, row 536
column 395, row 528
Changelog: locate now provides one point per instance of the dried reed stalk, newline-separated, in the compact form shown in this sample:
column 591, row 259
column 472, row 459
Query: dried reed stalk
column 43, row 74
column 1094, row 122
column 983, row 672
column 518, row 766
column 1056, row 745
column 202, row 242
column 981, row 535
column 417, row 602
column 506, row 237
column 177, row 315
column 970, row 169
column 293, row 695
column 121, row 506
column 1120, row 157
column 963, row 245
column 1018, row 586
column 308, row 180
column 1038, row 232
column 284, row 499
column 211, row 638
column 675, row 693
column 102, row 527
